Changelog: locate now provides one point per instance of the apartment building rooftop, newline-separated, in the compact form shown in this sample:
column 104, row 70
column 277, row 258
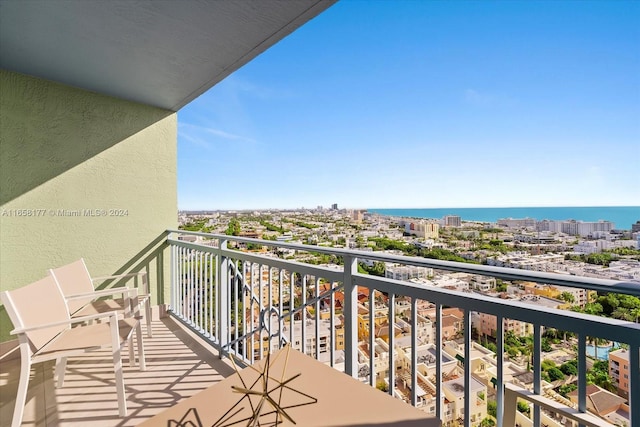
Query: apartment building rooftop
column 426, row 354
column 457, row 387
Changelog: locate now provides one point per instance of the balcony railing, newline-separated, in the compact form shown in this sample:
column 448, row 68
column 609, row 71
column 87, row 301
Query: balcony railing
column 245, row 303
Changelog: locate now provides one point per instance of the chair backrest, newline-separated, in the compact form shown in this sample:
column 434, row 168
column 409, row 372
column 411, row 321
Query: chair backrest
column 35, row 304
column 74, row 279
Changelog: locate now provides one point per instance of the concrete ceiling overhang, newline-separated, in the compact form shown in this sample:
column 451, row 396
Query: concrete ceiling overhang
column 163, row 53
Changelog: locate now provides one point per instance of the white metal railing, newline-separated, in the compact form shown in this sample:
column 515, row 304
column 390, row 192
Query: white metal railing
column 245, row 303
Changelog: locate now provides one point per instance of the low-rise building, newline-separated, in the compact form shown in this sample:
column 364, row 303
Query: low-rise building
column 483, row 283
column 406, row 272
column 545, row 302
column 580, row 296
column 426, row 359
column 451, row 321
column 619, row 370
column 454, row 392
column 487, row 324
column 604, row 404
column 379, row 318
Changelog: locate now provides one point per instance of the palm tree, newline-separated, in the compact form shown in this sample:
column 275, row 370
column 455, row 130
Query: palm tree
column 551, row 333
column 527, row 350
column 596, row 342
column 622, row 313
column 568, row 297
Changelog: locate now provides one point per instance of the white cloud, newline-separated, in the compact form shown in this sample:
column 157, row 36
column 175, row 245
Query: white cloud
column 201, row 135
column 227, row 135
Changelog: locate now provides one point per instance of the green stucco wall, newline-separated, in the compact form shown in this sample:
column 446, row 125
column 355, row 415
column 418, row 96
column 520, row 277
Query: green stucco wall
column 81, row 175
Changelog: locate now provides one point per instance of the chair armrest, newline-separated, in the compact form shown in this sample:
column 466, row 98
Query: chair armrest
column 111, row 314
column 104, row 292
column 143, row 297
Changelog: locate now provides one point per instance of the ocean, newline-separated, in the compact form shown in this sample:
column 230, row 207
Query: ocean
column 621, row 216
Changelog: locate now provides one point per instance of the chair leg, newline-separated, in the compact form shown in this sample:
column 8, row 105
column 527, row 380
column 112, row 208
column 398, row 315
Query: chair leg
column 141, row 360
column 61, row 367
column 147, row 303
column 23, row 386
column 117, row 366
column 129, row 306
column 116, row 346
column 147, row 313
column 132, row 356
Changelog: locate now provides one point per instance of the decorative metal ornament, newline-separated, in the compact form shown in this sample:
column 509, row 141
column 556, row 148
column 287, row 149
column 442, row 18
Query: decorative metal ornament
column 266, row 395
column 271, row 407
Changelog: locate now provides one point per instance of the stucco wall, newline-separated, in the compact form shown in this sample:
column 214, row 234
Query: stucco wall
column 81, row 175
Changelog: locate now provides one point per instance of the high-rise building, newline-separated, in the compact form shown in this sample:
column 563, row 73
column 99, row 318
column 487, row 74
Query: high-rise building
column 334, row 206
column 575, row 228
column 517, row 223
column 452, row 221
column 424, row 229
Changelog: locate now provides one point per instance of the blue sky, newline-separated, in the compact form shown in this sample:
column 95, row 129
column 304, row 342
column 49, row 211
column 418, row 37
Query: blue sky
column 378, row 104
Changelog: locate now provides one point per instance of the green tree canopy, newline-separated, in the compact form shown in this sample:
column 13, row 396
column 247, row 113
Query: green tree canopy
column 234, row 228
column 568, row 297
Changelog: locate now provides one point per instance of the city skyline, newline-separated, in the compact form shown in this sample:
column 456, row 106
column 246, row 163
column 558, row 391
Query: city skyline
column 426, row 104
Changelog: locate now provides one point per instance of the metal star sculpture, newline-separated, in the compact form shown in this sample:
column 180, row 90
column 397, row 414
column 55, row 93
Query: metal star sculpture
column 269, row 390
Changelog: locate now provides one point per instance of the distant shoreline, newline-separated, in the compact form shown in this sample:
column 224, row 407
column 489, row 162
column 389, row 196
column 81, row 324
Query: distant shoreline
column 622, row 216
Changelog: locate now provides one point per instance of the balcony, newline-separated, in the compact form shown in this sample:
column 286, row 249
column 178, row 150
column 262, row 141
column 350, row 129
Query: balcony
column 77, row 138
column 223, row 301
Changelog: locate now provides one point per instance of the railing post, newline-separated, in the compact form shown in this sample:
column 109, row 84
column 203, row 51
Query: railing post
column 467, row 367
column 500, row 379
column 372, row 338
column 414, row 348
column 224, row 315
column 510, row 405
column 634, row 383
column 173, row 281
column 160, row 279
column 350, row 312
column 582, row 373
column 392, row 345
column 440, row 410
column 537, row 370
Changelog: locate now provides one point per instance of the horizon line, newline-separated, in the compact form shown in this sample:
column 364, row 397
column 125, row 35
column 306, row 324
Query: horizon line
column 401, row 208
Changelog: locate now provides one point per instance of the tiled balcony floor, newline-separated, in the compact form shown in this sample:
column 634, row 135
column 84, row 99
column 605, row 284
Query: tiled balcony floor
column 177, row 367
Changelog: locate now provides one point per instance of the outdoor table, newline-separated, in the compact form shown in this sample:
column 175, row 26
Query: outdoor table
column 313, row 394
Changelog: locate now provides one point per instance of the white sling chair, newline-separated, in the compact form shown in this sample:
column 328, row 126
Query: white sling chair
column 42, row 323
column 82, row 298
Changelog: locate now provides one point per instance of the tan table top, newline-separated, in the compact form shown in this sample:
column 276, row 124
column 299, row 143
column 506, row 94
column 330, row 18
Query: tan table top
column 341, row 400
